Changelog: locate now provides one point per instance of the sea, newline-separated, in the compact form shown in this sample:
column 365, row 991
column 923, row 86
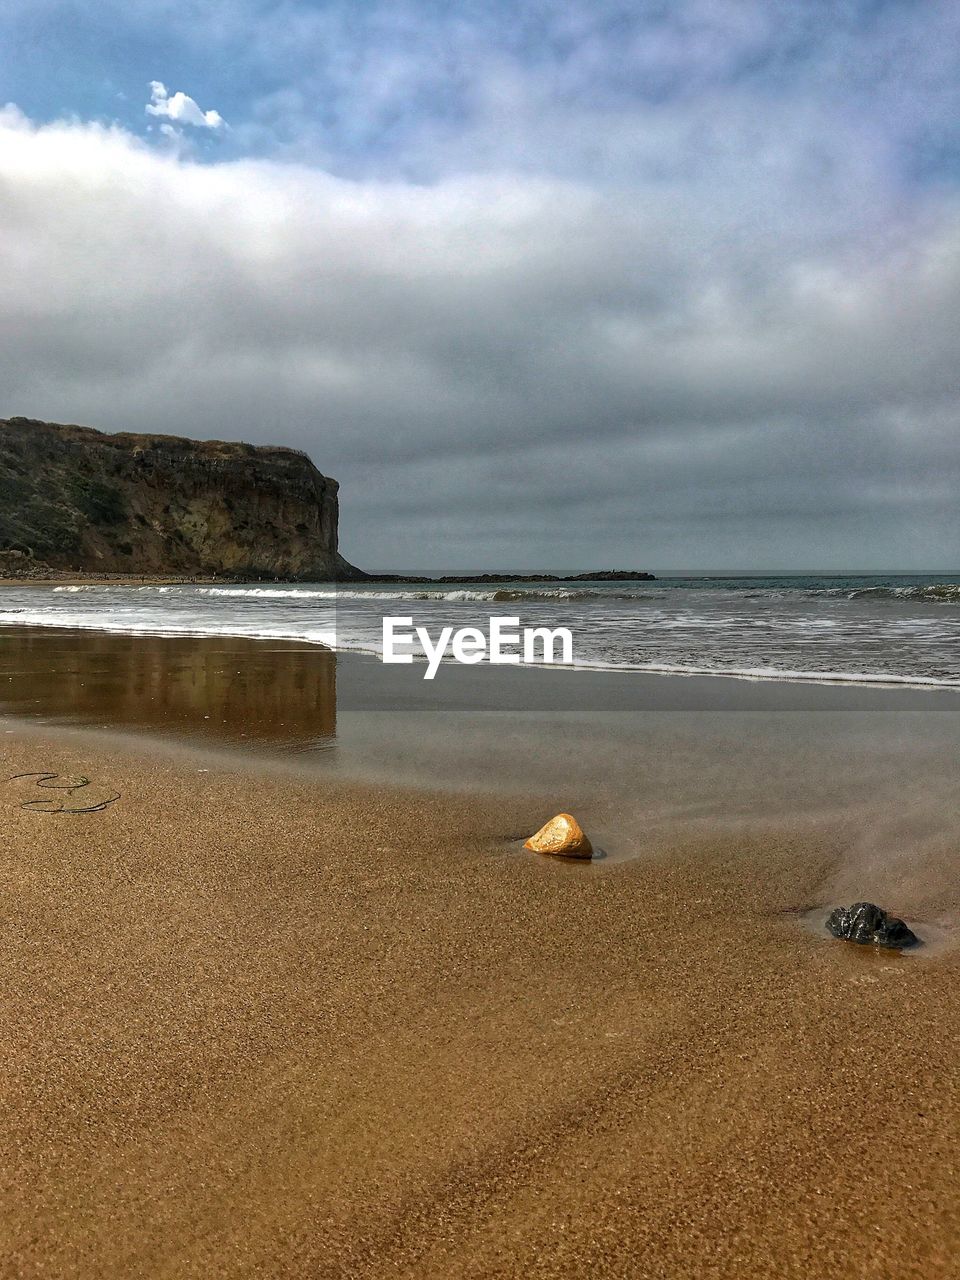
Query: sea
column 884, row 629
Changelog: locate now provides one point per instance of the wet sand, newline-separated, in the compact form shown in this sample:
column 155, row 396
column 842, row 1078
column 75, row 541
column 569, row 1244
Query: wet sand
column 258, row 1025
column 281, row 1011
column 273, row 694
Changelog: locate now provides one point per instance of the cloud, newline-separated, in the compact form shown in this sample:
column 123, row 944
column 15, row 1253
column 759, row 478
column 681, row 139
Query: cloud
column 553, row 284
column 859, row 93
column 181, row 109
column 499, row 367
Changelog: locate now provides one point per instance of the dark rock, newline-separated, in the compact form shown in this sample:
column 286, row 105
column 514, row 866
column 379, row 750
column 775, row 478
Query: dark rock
column 865, row 922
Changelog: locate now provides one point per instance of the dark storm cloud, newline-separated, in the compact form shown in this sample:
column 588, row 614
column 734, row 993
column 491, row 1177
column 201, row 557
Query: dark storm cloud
column 710, row 322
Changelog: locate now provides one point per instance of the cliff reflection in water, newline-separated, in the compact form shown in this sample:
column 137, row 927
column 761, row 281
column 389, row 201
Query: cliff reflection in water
column 214, row 687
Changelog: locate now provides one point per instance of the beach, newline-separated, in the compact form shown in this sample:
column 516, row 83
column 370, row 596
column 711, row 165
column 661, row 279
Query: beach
column 290, row 1009
column 479, row 641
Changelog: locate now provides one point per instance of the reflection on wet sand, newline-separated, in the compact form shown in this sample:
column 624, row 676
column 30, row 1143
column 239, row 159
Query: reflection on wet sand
column 220, row 688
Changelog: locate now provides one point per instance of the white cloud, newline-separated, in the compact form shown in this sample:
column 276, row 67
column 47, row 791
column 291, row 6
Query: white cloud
column 605, row 378
column 181, row 108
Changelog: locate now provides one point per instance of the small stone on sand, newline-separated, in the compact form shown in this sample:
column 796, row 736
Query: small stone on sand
column 866, row 923
column 563, row 837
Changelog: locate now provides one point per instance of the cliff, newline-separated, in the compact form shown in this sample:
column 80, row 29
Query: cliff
column 75, row 498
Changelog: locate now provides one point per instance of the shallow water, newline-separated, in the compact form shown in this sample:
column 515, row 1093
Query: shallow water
column 866, row 629
column 935, row 937
column 207, row 688
column 866, row 780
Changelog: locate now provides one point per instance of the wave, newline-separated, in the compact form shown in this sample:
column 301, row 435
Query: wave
column 928, row 593
column 876, row 679
column 934, row 593
column 565, row 593
column 455, row 595
column 327, row 637
column 151, row 625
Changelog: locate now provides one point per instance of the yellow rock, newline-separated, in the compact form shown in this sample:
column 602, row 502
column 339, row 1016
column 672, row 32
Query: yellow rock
column 562, row 836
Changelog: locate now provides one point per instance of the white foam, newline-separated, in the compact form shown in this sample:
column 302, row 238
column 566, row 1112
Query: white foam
column 774, row 635
column 880, row 679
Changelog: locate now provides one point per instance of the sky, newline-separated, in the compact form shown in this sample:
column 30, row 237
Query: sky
column 544, row 285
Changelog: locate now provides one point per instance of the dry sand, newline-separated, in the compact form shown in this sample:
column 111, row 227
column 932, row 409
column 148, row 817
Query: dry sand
column 258, row 1026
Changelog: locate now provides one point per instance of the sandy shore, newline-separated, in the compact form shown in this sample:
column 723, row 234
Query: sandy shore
column 281, row 1027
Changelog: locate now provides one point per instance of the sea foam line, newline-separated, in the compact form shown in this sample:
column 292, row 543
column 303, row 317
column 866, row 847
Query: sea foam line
column 328, row 638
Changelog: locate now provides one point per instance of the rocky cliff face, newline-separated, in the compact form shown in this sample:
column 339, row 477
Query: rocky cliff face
column 75, row 498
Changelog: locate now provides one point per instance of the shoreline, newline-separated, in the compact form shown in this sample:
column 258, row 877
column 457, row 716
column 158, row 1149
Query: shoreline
column 838, row 681
column 273, row 1025
column 887, row 636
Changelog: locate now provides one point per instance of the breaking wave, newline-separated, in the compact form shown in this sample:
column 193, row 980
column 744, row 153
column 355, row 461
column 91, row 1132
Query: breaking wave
column 934, row 593
column 455, row 595
column 855, row 629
